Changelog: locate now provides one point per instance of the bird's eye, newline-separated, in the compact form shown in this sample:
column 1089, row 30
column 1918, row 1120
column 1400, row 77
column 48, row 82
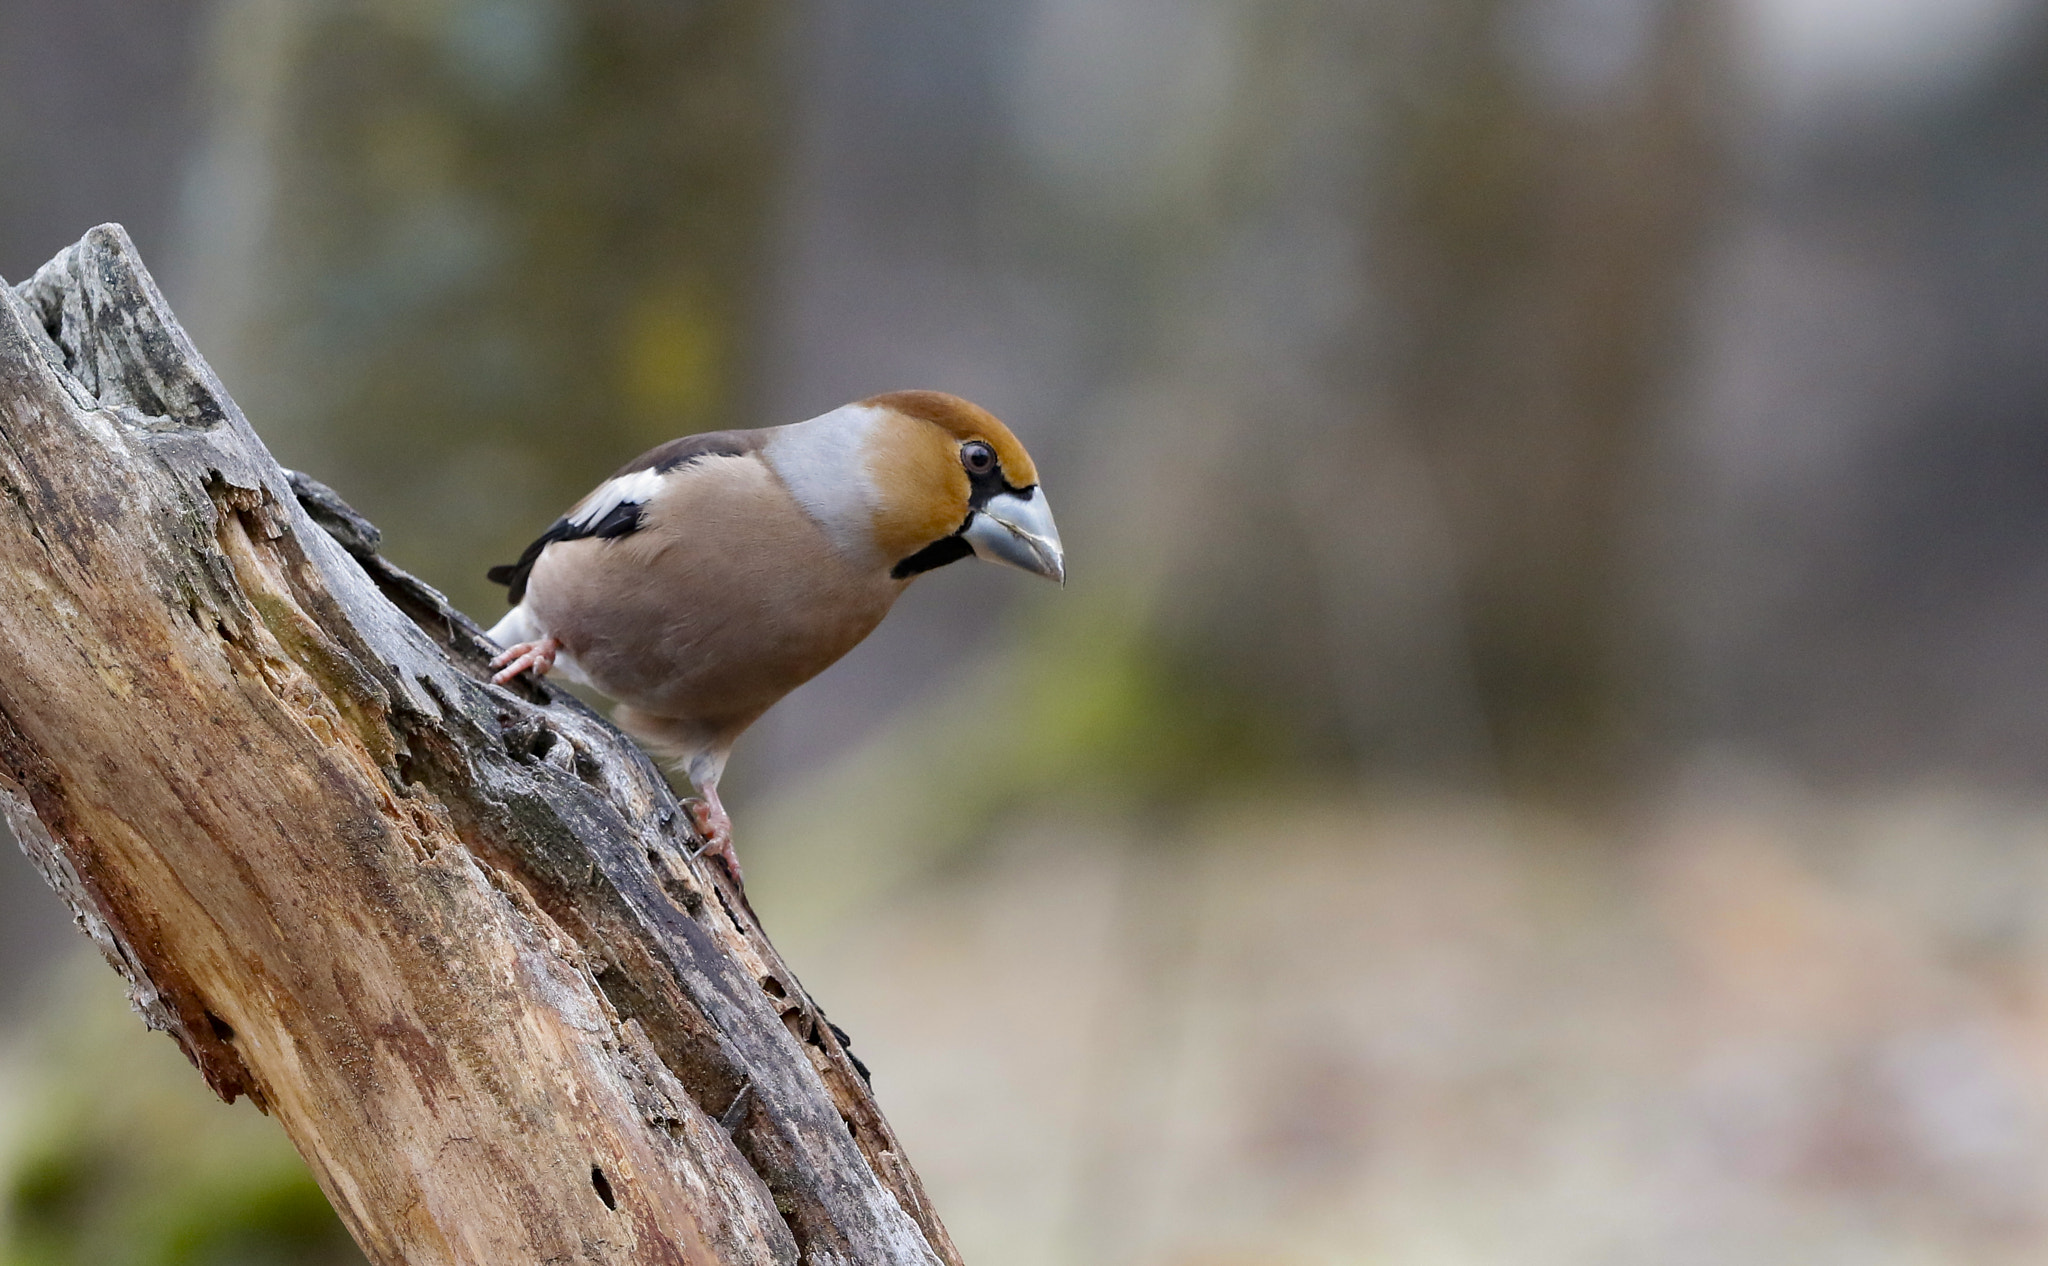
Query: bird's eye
column 978, row 458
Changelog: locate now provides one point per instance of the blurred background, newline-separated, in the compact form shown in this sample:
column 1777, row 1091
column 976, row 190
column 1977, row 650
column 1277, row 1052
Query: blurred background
column 1543, row 757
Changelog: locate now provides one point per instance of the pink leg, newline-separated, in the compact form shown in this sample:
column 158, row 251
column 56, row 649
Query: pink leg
column 716, row 827
column 526, row 657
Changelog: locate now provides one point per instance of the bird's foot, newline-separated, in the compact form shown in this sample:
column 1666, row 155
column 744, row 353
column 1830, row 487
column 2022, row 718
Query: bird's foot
column 526, row 657
column 715, row 828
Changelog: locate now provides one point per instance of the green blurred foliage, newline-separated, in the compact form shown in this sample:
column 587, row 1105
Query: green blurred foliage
column 1389, row 378
column 122, row 1158
column 509, row 244
column 1110, row 715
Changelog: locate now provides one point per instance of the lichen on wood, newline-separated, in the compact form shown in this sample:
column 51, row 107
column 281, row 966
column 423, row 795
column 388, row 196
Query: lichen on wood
column 451, row 935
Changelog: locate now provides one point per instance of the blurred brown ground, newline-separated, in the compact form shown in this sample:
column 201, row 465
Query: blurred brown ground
column 1753, row 1026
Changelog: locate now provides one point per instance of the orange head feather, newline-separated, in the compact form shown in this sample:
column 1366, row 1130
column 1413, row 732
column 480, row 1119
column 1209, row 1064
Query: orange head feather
column 915, row 460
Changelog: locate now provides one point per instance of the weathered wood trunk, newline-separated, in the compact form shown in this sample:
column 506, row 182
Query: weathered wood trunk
column 449, row 935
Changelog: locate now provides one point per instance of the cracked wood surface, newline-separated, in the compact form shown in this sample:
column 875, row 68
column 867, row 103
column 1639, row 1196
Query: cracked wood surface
column 448, row 934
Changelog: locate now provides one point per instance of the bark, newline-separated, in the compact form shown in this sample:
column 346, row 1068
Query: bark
column 449, row 935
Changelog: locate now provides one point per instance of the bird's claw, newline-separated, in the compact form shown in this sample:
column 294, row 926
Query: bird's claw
column 715, row 829
column 525, row 657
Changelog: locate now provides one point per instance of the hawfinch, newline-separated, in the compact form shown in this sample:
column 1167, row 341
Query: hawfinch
column 713, row 575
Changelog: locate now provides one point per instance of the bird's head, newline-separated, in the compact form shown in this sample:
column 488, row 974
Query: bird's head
column 932, row 479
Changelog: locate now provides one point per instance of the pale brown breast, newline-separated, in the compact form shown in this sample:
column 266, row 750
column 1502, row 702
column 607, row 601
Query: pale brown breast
column 726, row 599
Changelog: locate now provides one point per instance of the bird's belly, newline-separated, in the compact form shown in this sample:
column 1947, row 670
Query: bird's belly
column 702, row 634
column 720, row 672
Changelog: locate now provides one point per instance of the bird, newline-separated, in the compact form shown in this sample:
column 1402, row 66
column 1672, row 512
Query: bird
column 712, row 575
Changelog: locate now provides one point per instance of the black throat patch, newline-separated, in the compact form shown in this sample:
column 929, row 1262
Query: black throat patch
column 947, row 549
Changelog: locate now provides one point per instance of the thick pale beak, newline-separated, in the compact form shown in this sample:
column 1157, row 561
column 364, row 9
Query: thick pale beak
column 1017, row 528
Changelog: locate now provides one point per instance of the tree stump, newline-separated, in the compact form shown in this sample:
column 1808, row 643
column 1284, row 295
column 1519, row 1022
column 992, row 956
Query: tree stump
column 451, row 935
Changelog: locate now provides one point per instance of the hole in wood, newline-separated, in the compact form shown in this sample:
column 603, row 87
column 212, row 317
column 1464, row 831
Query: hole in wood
column 603, row 1187
column 221, row 1028
column 774, row 987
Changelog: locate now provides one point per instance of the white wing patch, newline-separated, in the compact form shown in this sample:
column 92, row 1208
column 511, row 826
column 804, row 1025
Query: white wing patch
column 637, row 488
